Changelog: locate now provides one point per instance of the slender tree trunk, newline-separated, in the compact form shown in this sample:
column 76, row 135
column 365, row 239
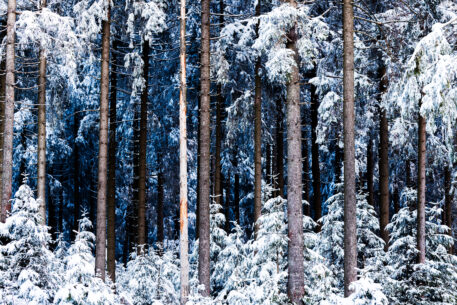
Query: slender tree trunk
column 76, row 175
column 112, row 146
column 257, row 134
column 421, row 189
column 100, row 251
column 305, row 158
column 41, row 182
column 268, row 165
column 184, row 239
column 142, row 151
column 396, row 199
column 315, row 165
column 227, row 203
column 295, row 284
column 350, row 224
column 236, row 191
column 160, row 199
column 383, row 162
column 408, row 179
column 2, row 108
column 370, row 172
column 204, row 173
column 7, row 173
column 279, row 149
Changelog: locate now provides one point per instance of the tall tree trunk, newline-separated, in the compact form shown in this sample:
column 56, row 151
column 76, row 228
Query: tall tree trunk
column 41, row 182
column 100, row 250
column 350, row 224
column 142, row 152
column 184, row 239
column 370, row 172
column 257, row 134
column 315, row 165
column 7, row 171
column 76, row 176
column 279, row 149
column 160, row 200
column 421, row 189
column 383, row 162
column 295, row 284
column 204, row 173
column 112, row 146
column 2, row 108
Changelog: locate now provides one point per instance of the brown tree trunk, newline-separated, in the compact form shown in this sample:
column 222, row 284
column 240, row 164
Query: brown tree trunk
column 295, row 284
column 7, row 170
column 2, row 108
column 204, row 173
column 142, row 151
column 160, row 200
column 183, row 220
column 100, row 250
column 370, row 173
column 350, row 224
column 112, row 146
column 383, row 163
column 257, row 134
column 279, row 149
column 421, row 189
column 41, row 171
column 315, row 165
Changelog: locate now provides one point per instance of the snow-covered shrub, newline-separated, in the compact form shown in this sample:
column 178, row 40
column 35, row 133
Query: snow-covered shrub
column 80, row 285
column 365, row 292
column 26, row 263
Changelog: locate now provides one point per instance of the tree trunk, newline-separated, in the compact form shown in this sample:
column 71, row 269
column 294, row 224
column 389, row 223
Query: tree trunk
column 295, row 284
column 160, row 232
column 184, row 239
column 142, row 151
column 112, row 146
column 7, row 170
column 421, row 189
column 227, row 203
column 76, row 176
column 370, row 172
column 2, row 108
column 41, row 171
column 204, row 173
column 257, row 134
column 268, row 165
column 315, row 165
column 383, row 162
column 279, row 149
column 350, row 224
column 305, row 158
column 100, row 251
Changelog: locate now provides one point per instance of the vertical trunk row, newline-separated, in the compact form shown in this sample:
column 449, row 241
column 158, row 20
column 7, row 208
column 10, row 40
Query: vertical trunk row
column 421, row 189
column 41, row 182
column 7, row 170
column 257, row 134
column 204, row 171
column 112, row 146
column 100, row 250
column 2, row 108
column 142, row 234
column 295, row 284
column 315, row 167
column 350, row 225
column 383, row 162
column 183, row 220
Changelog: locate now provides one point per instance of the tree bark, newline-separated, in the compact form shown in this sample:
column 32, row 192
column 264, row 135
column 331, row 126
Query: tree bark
column 2, row 108
column 315, row 163
column 383, row 162
column 257, row 134
column 112, row 146
column 421, row 189
column 204, row 173
column 142, row 151
column 295, row 284
column 184, row 239
column 7, row 170
column 350, row 224
column 100, row 251
column 41, row 171
column 279, row 149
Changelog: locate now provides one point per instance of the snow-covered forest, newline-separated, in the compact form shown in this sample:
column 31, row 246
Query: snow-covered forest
column 237, row 152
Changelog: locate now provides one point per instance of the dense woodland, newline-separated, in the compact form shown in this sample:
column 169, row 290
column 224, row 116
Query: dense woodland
column 228, row 152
